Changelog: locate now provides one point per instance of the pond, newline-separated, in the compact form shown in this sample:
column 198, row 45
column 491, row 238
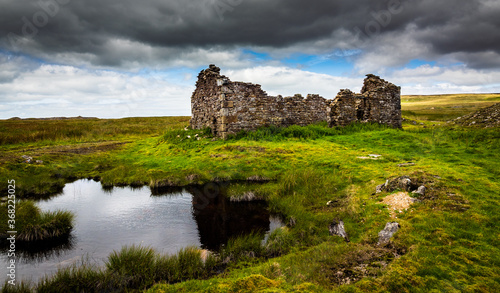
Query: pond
column 107, row 219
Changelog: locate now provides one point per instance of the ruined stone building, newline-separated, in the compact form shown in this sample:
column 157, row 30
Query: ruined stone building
column 228, row 107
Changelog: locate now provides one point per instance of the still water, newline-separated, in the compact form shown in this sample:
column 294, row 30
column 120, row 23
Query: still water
column 106, row 220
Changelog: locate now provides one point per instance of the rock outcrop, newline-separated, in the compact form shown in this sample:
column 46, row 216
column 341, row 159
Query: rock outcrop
column 486, row 117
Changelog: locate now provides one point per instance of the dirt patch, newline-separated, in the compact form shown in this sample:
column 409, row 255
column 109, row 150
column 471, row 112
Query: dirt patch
column 87, row 149
column 398, row 202
column 81, row 149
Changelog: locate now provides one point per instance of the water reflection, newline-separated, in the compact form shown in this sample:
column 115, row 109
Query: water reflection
column 40, row 251
column 221, row 219
column 167, row 220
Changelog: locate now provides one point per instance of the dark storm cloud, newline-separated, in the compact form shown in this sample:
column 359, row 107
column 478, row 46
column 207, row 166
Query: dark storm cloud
column 91, row 29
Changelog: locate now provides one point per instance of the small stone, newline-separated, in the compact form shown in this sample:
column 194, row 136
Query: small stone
column 406, row 164
column 381, row 187
column 385, row 235
column 332, row 203
column 27, row 159
column 420, row 190
column 337, row 228
column 406, row 183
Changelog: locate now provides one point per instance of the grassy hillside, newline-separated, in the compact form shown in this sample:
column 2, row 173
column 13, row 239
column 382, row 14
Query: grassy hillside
column 445, row 107
column 448, row 241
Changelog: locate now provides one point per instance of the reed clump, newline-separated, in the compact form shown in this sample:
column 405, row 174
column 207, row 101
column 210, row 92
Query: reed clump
column 133, row 268
column 34, row 225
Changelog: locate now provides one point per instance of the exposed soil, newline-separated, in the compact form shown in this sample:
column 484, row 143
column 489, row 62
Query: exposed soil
column 89, row 148
column 398, row 202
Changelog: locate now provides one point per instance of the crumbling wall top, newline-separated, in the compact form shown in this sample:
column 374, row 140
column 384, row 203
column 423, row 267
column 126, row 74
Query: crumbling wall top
column 374, row 83
column 212, row 69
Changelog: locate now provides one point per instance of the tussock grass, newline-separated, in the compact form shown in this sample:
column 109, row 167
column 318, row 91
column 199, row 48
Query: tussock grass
column 34, row 225
column 244, row 247
column 134, row 264
column 187, row 264
column 48, row 225
column 280, row 242
column 131, row 269
column 20, row 287
column 82, row 277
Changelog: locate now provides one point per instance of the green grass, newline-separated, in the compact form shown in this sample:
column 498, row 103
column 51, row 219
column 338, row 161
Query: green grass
column 132, row 269
column 87, row 130
column 20, row 287
column 34, row 225
column 69, row 149
column 447, row 243
column 134, row 264
column 244, row 248
column 445, row 107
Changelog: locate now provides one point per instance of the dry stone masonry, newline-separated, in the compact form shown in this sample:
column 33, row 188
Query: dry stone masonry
column 228, row 107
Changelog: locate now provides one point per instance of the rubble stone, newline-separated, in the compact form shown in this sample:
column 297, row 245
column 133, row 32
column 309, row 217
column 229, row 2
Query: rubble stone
column 385, row 235
column 337, row 228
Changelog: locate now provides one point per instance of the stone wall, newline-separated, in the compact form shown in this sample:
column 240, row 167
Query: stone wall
column 229, row 107
column 379, row 102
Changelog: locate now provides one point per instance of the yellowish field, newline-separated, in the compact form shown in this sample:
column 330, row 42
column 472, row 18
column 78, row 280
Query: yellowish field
column 445, row 107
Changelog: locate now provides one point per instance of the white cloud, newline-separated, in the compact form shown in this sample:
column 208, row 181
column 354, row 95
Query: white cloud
column 55, row 90
column 288, row 81
column 425, row 79
column 384, row 52
column 130, row 55
column 430, row 80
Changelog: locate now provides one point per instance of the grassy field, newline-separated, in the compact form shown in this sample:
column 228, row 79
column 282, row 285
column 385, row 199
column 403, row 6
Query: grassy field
column 448, row 242
column 445, row 107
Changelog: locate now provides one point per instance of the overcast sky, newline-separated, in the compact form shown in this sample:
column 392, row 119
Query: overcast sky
column 120, row 58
